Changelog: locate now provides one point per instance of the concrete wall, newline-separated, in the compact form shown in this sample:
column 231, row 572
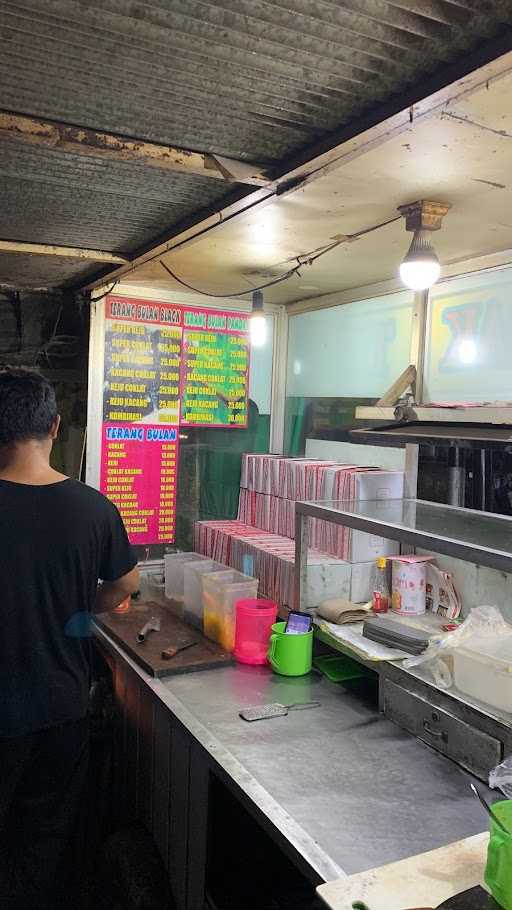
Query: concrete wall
column 477, row 585
column 49, row 331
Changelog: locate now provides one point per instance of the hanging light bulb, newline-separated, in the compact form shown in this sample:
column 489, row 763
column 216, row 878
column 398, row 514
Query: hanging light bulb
column 420, row 269
column 258, row 323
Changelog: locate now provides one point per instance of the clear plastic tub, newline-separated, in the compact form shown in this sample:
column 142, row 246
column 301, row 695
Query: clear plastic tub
column 152, row 587
column 221, row 592
column 193, row 589
column 174, row 578
column 483, row 670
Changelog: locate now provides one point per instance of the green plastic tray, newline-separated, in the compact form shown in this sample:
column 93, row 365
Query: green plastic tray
column 340, row 669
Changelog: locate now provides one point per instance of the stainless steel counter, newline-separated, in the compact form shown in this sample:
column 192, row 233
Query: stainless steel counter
column 363, row 790
column 348, row 789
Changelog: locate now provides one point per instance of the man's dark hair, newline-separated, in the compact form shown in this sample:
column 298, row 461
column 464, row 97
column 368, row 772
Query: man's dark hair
column 27, row 406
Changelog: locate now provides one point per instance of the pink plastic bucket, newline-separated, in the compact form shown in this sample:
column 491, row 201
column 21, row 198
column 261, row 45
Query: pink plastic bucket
column 254, row 621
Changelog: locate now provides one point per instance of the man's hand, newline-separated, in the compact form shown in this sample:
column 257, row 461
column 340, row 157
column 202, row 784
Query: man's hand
column 112, row 593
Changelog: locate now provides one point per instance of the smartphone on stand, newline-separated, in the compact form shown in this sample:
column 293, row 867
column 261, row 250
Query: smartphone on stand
column 298, row 623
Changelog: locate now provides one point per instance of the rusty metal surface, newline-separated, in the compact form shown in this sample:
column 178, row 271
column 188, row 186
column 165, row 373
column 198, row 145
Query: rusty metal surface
column 254, row 80
column 250, row 79
column 53, row 197
column 21, row 271
column 78, row 140
column 236, row 77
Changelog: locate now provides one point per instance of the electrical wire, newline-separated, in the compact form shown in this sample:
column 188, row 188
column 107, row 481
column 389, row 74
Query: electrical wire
column 109, row 291
column 303, row 260
column 251, row 290
column 375, row 227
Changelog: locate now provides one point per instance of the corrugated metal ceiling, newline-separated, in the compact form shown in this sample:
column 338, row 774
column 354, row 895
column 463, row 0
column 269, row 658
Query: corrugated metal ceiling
column 25, row 271
column 256, row 80
column 243, row 78
column 71, row 200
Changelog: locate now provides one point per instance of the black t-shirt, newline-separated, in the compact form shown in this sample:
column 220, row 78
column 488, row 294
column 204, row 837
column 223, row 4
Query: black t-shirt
column 56, row 541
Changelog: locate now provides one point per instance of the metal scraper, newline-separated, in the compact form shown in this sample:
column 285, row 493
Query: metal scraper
column 264, row 712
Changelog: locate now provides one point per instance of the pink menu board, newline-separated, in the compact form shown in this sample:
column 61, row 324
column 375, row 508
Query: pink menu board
column 139, row 473
column 165, row 365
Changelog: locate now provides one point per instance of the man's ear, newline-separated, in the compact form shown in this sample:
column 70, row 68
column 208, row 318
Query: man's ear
column 55, row 427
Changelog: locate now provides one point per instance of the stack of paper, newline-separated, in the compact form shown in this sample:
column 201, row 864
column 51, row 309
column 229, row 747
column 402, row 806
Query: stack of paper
column 215, row 537
column 271, row 484
column 272, row 560
column 260, row 473
column 387, row 630
column 347, row 483
column 260, row 542
column 270, row 513
column 289, row 478
column 351, row 636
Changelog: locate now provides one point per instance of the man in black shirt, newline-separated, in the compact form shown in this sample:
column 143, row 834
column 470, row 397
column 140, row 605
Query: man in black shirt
column 58, row 537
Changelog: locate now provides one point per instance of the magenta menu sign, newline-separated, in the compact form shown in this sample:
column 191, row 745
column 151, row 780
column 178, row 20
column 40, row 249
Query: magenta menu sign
column 139, row 473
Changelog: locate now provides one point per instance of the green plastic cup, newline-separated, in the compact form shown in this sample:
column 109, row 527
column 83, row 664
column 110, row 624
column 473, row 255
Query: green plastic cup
column 290, row 655
column 498, row 872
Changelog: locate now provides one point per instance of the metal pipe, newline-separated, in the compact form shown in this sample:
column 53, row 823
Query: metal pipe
column 483, row 466
column 456, row 477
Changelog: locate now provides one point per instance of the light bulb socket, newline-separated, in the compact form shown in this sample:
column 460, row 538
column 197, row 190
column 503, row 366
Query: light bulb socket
column 257, row 302
column 423, row 215
column 421, row 249
column 420, row 268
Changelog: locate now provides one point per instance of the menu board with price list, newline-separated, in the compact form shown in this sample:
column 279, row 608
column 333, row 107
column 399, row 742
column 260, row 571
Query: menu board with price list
column 165, row 366
column 139, row 472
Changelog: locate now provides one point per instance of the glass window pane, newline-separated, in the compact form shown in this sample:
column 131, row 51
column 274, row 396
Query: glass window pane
column 358, row 349
column 467, row 358
column 260, row 375
column 340, row 358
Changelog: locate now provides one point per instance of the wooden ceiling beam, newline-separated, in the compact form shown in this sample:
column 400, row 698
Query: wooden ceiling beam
column 69, row 252
column 79, row 140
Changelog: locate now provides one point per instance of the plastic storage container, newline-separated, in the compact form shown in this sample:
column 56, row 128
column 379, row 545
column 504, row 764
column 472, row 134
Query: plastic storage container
column 193, row 589
column 483, row 670
column 290, row 655
column 254, row 621
column 381, row 600
column 156, row 587
column 221, row 591
column 409, row 585
column 152, row 585
column 174, row 568
column 498, row 871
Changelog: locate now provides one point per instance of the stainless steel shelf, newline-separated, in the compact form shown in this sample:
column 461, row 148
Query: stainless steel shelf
column 469, row 436
column 477, row 537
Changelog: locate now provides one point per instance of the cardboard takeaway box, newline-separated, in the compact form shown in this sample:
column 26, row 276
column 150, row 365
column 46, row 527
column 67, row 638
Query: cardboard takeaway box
column 357, row 546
